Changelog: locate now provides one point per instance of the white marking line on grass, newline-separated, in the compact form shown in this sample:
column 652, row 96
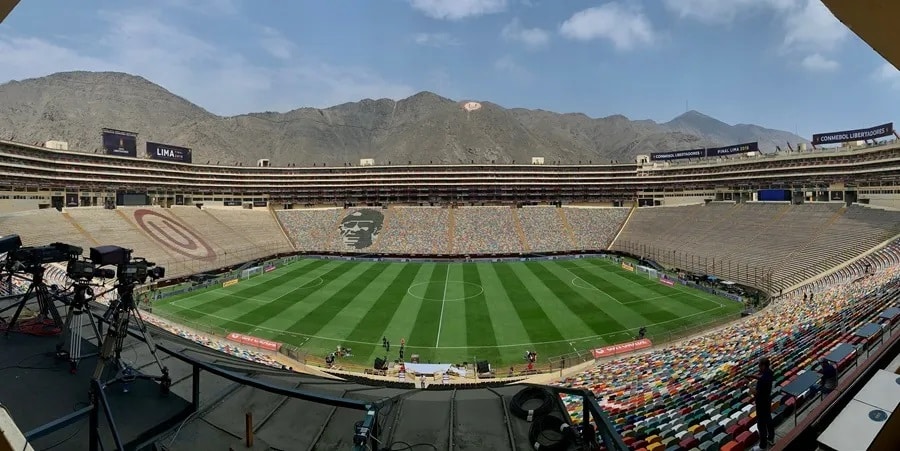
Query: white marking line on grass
column 592, row 285
column 443, row 303
column 517, row 345
column 308, row 284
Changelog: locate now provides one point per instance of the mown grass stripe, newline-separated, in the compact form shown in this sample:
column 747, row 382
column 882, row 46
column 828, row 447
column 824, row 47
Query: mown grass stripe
column 424, row 332
column 532, row 315
column 220, row 301
column 599, row 320
column 479, row 326
column 315, row 320
column 259, row 314
column 375, row 322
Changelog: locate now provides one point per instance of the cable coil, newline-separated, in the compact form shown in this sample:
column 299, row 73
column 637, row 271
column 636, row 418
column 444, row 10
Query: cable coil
column 541, row 440
column 516, row 405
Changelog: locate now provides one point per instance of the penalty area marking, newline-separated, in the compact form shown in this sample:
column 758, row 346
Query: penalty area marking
column 309, row 284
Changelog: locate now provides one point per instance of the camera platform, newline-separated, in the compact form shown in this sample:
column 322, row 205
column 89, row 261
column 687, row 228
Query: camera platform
column 41, row 389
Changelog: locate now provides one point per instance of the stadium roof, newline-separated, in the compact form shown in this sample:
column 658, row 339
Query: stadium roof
column 874, row 21
column 6, row 6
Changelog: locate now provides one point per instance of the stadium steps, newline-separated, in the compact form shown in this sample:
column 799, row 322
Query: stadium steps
column 284, row 231
column 519, row 231
column 80, row 229
column 816, row 235
column 891, row 257
column 451, row 230
column 570, row 235
column 622, row 227
column 227, row 226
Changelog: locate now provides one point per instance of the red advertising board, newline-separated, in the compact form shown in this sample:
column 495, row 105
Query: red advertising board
column 255, row 342
column 668, row 282
column 621, row 348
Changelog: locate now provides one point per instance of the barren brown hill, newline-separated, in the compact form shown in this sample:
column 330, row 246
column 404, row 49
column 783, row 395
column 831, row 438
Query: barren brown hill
column 74, row 106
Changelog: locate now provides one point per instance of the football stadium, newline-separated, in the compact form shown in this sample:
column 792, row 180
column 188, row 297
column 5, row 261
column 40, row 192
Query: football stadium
column 155, row 303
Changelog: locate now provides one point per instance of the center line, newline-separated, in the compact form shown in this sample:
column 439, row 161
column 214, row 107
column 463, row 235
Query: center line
column 443, row 302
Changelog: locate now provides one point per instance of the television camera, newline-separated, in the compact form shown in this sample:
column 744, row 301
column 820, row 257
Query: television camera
column 130, row 271
column 30, row 260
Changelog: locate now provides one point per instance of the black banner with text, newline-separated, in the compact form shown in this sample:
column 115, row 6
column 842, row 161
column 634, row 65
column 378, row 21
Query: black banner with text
column 678, row 155
column 119, row 144
column 731, row 150
column 860, row 134
column 168, row 152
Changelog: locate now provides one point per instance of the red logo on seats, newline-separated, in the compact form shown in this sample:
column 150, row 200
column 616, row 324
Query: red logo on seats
column 173, row 235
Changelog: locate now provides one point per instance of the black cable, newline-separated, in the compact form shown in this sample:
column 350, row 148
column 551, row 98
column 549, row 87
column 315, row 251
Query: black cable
column 541, row 440
column 19, row 365
column 408, row 446
column 72, row 435
column 527, row 394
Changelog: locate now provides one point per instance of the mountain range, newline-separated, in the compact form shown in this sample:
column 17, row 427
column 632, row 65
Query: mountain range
column 423, row 128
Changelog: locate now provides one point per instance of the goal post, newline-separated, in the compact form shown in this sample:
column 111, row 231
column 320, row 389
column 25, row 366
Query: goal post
column 250, row 272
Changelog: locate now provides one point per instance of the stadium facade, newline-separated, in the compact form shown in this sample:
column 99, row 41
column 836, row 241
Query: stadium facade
column 35, row 177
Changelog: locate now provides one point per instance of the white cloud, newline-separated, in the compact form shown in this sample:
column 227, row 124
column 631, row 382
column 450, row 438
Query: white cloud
column 205, row 7
column 458, row 9
column 812, row 27
column 818, row 63
column 26, row 57
column 221, row 80
column 276, row 44
column 809, row 27
column 626, row 28
column 435, row 40
column 509, row 66
column 886, row 73
column 723, row 11
column 533, row 38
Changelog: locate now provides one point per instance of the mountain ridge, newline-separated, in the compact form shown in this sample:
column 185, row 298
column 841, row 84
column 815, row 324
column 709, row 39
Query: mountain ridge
column 422, row 128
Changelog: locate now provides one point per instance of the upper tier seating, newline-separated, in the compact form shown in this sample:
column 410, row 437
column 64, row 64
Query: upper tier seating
column 772, row 246
column 696, row 390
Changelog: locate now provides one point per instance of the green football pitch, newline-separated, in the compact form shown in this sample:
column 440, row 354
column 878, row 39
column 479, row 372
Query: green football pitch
column 448, row 312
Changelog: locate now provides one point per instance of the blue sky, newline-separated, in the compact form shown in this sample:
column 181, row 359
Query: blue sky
column 785, row 64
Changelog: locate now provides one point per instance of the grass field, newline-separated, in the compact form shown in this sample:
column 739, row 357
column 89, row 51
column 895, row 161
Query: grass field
column 448, row 312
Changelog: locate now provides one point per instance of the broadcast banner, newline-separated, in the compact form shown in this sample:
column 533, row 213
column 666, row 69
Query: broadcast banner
column 255, row 342
column 120, row 144
column 609, row 351
column 731, row 150
column 678, row 155
column 167, row 152
column 861, row 134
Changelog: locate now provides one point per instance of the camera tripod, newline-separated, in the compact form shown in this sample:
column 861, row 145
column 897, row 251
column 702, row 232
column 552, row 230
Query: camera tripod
column 37, row 289
column 119, row 315
column 73, row 329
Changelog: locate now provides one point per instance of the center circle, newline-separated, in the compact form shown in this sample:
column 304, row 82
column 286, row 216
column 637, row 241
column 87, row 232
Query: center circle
column 420, row 291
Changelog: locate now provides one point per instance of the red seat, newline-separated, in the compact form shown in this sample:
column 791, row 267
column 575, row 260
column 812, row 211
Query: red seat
column 732, row 446
column 745, row 439
column 688, row 442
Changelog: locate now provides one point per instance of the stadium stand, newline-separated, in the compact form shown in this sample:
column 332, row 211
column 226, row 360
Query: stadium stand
column 772, row 246
column 482, row 230
column 312, row 229
column 694, row 394
column 87, row 227
column 417, row 230
column 544, row 229
column 595, row 228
